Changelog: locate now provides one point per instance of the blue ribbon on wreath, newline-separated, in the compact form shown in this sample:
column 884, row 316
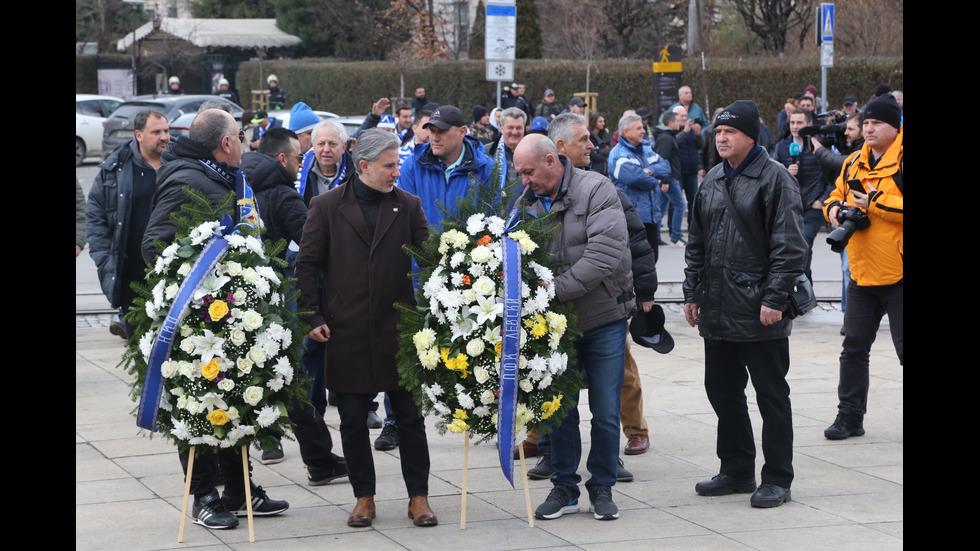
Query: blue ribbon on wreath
column 509, row 357
column 246, row 213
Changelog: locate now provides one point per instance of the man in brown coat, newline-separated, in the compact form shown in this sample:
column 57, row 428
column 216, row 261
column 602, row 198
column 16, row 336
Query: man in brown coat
column 353, row 239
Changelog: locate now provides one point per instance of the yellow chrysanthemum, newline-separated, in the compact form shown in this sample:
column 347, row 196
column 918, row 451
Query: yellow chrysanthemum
column 550, row 407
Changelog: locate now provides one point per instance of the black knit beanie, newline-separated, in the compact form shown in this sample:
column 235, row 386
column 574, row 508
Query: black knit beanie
column 743, row 115
column 884, row 109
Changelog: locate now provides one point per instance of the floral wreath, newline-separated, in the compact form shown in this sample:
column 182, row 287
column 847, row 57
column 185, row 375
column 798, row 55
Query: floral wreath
column 450, row 343
column 230, row 374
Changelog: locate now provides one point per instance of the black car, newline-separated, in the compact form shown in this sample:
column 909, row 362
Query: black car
column 118, row 128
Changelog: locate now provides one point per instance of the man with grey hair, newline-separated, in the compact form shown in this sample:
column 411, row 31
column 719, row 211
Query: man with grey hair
column 206, row 160
column 637, row 170
column 512, row 126
column 353, row 241
column 328, row 163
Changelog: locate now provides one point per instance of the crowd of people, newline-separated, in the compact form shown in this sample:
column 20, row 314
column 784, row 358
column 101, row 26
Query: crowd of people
column 752, row 201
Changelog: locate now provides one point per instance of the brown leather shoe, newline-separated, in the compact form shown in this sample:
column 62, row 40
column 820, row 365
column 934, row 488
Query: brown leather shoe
column 363, row 512
column 530, row 450
column 420, row 512
column 637, row 444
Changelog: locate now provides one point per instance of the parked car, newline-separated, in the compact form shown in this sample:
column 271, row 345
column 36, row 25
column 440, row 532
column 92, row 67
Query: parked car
column 284, row 116
column 90, row 112
column 118, row 128
column 352, row 123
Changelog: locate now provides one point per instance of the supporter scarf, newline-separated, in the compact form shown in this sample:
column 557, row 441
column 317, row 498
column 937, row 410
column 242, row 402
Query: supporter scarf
column 500, row 159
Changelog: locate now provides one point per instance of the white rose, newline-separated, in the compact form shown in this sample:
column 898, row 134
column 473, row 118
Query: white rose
column 257, row 355
column 187, row 345
column 226, row 384
column 245, row 365
column 480, row 254
column 474, row 347
column 487, row 397
column 184, row 269
column 232, row 413
column 250, row 275
column 168, row 369
column 481, row 374
column 171, row 291
column 484, row 286
column 186, row 331
column 186, row 368
column 234, row 269
column 237, row 337
column 252, row 395
column 526, row 385
column 251, row 320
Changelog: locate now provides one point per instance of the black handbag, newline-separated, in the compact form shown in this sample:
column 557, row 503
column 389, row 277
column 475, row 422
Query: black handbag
column 801, row 299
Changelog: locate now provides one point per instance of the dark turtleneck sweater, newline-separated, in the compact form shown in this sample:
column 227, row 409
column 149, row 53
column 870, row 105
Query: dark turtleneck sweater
column 370, row 201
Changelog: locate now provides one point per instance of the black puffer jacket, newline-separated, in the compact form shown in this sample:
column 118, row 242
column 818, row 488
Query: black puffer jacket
column 181, row 167
column 644, row 260
column 282, row 209
column 724, row 276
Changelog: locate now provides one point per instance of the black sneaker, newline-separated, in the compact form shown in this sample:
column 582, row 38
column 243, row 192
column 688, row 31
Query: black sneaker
column 562, row 500
column 318, row 476
column 602, row 506
column 844, row 426
column 262, row 506
column 270, row 457
column 210, row 512
column 388, row 440
column 542, row 470
column 623, row 475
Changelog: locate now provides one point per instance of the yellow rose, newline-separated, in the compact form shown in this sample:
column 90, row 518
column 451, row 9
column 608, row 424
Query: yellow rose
column 218, row 310
column 211, row 369
column 218, row 417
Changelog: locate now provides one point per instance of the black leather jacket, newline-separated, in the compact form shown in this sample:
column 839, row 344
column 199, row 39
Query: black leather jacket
column 724, row 276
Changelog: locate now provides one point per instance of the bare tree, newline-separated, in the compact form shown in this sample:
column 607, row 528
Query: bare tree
column 575, row 30
column 772, row 20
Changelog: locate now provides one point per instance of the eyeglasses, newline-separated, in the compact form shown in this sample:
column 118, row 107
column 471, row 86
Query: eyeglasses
column 241, row 136
column 300, row 158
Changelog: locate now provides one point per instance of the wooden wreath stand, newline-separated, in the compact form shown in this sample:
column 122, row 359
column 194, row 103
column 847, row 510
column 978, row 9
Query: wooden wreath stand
column 248, row 493
column 466, row 457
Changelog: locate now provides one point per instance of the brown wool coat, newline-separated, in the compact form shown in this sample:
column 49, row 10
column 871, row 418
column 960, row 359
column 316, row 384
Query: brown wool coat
column 362, row 279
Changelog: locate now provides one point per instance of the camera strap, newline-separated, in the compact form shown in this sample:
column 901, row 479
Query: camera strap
column 897, row 177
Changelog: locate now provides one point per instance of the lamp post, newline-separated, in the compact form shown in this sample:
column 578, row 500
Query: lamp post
column 136, row 5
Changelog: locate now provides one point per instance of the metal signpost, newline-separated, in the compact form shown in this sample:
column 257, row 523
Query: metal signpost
column 825, row 34
column 500, row 41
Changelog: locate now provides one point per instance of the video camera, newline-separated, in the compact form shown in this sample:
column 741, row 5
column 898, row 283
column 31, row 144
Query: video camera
column 829, row 134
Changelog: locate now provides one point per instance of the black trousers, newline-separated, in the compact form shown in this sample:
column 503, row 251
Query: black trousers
column 206, row 470
column 313, row 436
column 727, row 367
column 354, row 435
column 866, row 305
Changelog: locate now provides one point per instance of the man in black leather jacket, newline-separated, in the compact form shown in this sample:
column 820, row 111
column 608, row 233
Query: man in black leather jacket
column 736, row 298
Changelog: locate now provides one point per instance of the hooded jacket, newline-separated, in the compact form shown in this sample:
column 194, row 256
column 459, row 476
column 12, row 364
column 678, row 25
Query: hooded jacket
column 283, row 210
column 724, row 275
column 876, row 254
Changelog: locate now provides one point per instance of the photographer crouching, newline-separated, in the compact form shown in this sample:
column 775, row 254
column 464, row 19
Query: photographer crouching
column 866, row 210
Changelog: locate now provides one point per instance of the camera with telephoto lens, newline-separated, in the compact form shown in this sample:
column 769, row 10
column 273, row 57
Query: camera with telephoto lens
column 850, row 219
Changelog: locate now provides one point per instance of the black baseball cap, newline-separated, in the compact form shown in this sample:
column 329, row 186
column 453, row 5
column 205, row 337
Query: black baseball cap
column 445, row 117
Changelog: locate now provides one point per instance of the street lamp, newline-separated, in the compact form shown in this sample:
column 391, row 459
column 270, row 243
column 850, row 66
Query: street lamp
column 136, row 5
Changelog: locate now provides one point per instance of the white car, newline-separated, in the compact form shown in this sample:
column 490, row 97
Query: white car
column 90, row 112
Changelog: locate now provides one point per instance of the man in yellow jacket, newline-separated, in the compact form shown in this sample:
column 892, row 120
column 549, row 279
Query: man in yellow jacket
column 867, row 208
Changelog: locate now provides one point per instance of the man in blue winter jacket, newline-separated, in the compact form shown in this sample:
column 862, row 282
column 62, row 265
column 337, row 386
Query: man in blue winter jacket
column 637, row 170
column 440, row 172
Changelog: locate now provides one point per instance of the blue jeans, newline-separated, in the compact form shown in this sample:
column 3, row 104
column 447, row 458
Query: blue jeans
column 601, row 361
column 674, row 196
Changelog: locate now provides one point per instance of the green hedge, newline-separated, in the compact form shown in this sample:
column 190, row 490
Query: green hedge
column 351, row 88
